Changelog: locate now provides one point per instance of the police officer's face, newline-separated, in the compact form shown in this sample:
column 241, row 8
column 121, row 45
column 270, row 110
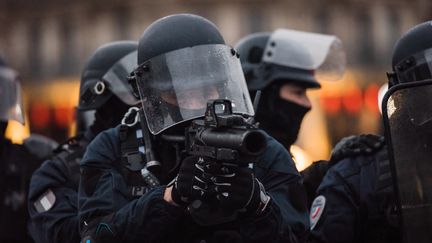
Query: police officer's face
column 295, row 93
column 191, row 99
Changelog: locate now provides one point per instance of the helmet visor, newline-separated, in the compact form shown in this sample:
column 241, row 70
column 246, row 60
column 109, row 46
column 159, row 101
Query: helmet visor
column 415, row 68
column 321, row 53
column 117, row 75
column 175, row 87
column 11, row 107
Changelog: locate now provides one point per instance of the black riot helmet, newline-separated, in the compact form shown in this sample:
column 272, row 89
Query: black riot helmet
column 104, row 87
column 176, row 32
column 183, row 62
column 105, row 74
column 412, row 55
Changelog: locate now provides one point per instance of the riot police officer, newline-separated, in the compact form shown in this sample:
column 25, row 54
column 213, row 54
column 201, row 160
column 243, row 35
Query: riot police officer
column 159, row 192
column 17, row 161
column 53, row 197
column 356, row 200
column 284, row 64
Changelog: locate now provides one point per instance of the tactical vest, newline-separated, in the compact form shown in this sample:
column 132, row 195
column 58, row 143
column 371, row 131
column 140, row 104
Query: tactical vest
column 133, row 162
column 132, row 167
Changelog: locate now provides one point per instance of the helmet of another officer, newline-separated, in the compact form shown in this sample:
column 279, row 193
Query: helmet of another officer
column 105, row 94
column 11, row 107
column 412, row 55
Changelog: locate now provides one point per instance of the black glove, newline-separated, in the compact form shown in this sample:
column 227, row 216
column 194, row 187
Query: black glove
column 191, row 183
column 236, row 188
column 356, row 145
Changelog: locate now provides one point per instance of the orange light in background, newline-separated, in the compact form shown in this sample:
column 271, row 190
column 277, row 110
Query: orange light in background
column 16, row 132
column 371, row 98
column 63, row 116
column 301, row 158
column 352, row 100
column 63, row 97
column 331, row 104
column 39, row 115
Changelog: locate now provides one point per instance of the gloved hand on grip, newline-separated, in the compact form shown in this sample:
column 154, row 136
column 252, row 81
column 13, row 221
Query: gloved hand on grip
column 191, row 183
column 236, row 188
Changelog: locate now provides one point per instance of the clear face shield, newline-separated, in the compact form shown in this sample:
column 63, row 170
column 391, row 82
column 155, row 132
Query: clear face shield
column 175, row 87
column 11, row 107
column 416, row 67
column 323, row 54
column 116, row 77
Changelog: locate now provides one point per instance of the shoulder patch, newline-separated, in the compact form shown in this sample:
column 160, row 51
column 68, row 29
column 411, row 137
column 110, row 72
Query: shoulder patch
column 316, row 211
column 45, row 202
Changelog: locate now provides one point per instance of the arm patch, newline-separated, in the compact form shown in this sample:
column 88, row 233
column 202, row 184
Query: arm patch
column 317, row 210
column 45, row 202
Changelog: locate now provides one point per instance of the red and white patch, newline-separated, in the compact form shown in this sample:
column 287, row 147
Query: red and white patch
column 316, row 211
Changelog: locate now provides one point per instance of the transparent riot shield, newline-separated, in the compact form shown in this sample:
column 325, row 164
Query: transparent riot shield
column 407, row 113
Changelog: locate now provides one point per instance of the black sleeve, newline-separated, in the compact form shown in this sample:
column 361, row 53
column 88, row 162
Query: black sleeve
column 108, row 215
column 107, row 212
column 52, row 206
column 340, row 216
column 286, row 219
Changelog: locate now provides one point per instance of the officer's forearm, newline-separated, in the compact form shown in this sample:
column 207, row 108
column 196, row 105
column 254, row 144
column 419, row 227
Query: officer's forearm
column 286, row 219
column 147, row 217
column 273, row 226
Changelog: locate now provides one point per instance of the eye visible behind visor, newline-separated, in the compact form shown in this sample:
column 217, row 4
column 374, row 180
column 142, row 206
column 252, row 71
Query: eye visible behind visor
column 175, row 86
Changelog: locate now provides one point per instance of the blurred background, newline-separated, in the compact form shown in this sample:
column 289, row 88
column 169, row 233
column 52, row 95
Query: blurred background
column 48, row 41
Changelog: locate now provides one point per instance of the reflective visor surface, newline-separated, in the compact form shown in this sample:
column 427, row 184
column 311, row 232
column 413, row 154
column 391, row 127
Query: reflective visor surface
column 175, row 87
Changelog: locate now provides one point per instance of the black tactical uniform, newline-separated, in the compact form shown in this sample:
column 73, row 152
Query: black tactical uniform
column 272, row 60
column 356, row 201
column 53, row 190
column 124, row 197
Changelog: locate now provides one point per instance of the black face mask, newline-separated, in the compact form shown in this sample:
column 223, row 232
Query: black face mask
column 279, row 117
column 109, row 115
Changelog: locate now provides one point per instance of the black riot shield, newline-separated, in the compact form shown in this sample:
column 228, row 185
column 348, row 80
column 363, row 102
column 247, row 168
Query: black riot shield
column 407, row 113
